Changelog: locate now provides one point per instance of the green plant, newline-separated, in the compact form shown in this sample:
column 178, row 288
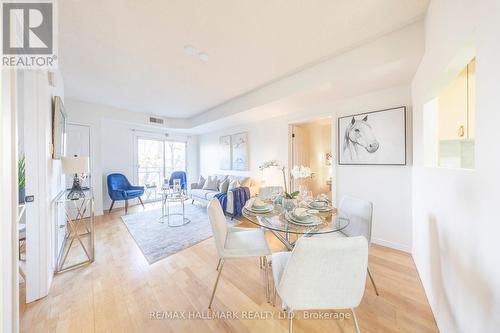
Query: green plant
column 292, row 195
column 21, row 173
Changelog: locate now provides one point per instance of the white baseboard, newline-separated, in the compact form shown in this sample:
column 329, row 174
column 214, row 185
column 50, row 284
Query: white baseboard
column 392, row 245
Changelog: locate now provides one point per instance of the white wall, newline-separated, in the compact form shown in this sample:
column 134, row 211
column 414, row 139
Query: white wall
column 455, row 236
column 389, row 187
column 112, row 144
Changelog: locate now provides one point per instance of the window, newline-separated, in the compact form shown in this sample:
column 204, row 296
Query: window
column 157, row 159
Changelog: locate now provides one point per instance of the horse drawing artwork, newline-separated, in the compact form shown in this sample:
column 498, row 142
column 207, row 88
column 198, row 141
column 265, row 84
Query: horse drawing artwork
column 358, row 139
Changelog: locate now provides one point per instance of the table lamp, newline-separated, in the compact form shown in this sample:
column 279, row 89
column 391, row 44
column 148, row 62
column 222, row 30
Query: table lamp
column 77, row 165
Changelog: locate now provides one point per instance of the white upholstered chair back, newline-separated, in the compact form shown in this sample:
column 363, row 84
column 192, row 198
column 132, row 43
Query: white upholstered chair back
column 218, row 223
column 322, row 274
column 268, row 192
column 360, row 214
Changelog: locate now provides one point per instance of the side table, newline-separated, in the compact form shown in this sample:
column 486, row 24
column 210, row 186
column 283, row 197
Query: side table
column 80, row 230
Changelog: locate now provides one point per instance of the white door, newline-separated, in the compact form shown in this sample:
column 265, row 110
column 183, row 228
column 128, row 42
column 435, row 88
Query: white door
column 299, row 154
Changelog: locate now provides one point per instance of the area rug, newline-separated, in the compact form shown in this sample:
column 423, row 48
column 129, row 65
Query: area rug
column 158, row 241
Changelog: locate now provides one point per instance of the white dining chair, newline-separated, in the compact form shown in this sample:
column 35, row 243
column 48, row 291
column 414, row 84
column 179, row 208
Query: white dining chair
column 359, row 212
column 321, row 275
column 234, row 242
column 270, row 192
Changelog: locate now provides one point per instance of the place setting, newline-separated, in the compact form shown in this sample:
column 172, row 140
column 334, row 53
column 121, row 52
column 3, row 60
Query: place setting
column 303, row 217
column 320, row 205
column 257, row 206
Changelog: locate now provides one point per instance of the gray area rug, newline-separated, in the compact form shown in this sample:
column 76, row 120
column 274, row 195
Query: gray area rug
column 158, row 241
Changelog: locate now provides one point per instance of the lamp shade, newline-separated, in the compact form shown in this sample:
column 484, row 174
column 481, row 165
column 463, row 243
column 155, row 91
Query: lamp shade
column 75, row 164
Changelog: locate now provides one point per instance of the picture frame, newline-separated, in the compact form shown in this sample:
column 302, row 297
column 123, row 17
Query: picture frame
column 373, row 138
column 59, row 122
column 239, row 152
column 225, row 152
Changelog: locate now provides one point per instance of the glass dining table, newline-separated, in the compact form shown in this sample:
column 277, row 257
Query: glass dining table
column 278, row 222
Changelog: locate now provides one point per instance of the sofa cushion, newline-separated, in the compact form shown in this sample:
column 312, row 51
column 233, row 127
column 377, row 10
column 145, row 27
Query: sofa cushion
column 233, row 184
column 211, row 184
column 243, row 180
column 203, row 194
column 223, row 187
column 209, row 195
column 246, row 182
column 201, row 182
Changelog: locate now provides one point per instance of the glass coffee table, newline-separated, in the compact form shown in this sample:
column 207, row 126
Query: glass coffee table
column 169, row 197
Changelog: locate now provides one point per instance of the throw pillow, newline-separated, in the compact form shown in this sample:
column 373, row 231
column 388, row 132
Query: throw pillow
column 233, row 184
column 201, row 181
column 211, row 184
column 223, row 187
column 246, row 182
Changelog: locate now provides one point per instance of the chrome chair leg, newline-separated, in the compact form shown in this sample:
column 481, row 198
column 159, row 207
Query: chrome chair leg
column 216, row 282
column 266, row 273
column 355, row 320
column 290, row 321
column 373, row 282
column 218, row 264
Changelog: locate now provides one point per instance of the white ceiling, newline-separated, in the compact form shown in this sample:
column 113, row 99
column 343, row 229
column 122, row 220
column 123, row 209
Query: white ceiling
column 129, row 53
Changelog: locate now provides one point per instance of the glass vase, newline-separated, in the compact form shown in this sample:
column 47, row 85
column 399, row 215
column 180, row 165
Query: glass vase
column 288, row 204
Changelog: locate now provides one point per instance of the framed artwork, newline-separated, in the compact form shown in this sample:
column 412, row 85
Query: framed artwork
column 240, row 151
column 225, row 152
column 58, row 129
column 373, row 138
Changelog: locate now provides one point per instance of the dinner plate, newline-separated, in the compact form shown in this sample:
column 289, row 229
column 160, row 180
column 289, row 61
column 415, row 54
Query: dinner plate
column 314, row 220
column 320, row 209
column 266, row 209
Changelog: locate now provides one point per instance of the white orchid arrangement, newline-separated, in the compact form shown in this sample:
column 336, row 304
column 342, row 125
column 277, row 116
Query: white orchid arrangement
column 301, row 171
column 297, row 173
column 271, row 163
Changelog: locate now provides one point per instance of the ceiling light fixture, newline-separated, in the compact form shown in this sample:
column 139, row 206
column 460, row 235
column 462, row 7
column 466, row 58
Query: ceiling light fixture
column 203, row 56
column 190, row 50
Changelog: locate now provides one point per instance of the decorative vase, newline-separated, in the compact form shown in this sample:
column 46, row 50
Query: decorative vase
column 288, row 204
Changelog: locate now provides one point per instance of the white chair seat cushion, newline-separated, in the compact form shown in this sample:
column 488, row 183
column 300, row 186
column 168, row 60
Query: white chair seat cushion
column 279, row 260
column 332, row 235
column 203, row 194
column 249, row 242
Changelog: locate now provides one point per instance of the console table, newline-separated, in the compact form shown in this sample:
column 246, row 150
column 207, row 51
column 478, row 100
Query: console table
column 79, row 231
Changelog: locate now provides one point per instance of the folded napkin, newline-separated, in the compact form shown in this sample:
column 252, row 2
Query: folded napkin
column 249, row 203
column 300, row 213
column 258, row 203
column 319, row 203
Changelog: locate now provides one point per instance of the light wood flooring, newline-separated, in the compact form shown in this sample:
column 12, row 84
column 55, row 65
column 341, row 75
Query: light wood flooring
column 120, row 291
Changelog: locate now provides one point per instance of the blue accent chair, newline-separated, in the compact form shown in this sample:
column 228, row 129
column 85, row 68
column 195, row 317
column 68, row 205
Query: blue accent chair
column 119, row 188
column 178, row 175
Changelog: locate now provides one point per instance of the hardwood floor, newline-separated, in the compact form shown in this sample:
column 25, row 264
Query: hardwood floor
column 120, row 291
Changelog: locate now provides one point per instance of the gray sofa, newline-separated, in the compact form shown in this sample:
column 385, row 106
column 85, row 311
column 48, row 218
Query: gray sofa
column 202, row 196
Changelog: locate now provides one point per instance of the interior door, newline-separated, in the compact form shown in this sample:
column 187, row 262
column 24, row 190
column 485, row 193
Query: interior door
column 298, row 154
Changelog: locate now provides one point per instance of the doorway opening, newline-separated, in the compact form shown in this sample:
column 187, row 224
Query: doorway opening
column 310, row 145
